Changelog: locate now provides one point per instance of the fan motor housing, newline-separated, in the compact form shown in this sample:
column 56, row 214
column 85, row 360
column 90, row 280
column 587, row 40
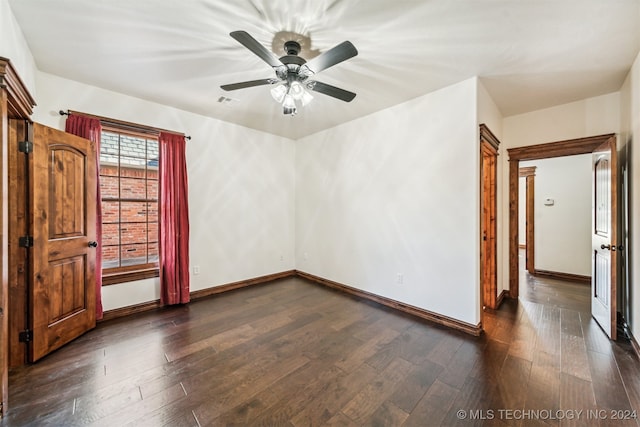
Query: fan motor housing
column 292, row 47
column 291, row 58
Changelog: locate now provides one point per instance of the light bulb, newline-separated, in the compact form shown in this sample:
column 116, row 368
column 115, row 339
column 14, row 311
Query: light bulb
column 297, row 91
column 278, row 92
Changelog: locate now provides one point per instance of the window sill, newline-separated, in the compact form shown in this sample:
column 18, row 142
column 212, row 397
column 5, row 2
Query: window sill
column 129, row 276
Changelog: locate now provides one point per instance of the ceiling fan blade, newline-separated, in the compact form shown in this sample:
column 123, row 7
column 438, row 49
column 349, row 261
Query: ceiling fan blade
column 333, row 91
column 333, row 56
column 256, row 47
column 252, row 83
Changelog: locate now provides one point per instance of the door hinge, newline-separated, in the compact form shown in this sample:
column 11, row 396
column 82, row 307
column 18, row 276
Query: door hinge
column 25, row 336
column 25, row 147
column 26, row 241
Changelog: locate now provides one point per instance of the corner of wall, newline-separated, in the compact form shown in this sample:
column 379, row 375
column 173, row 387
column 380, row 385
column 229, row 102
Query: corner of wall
column 488, row 111
column 14, row 47
column 489, row 114
column 366, row 214
column 630, row 138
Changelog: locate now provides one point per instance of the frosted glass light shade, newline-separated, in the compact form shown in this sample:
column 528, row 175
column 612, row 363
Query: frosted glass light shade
column 287, row 94
column 306, row 98
column 278, row 92
column 297, row 91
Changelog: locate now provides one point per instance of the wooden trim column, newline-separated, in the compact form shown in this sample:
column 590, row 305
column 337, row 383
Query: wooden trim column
column 514, row 174
column 4, row 251
column 529, row 174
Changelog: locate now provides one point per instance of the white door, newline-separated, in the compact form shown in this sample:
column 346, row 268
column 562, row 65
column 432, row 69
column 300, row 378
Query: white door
column 604, row 237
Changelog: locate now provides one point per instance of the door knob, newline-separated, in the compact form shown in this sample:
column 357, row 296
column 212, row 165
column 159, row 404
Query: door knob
column 603, row 246
column 93, row 244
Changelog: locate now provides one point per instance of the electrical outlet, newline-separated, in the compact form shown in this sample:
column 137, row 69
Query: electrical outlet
column 281, row 257
column 306, row 256
column 196, row 270
column 399, row 278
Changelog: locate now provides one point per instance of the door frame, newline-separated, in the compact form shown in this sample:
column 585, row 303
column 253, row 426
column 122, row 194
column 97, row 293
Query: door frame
column 529, row 174
column 15, row 103
column 489, row 256
column 549, row 150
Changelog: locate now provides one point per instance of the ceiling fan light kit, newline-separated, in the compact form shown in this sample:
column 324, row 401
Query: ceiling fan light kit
column 294, row 73
column 278, row 92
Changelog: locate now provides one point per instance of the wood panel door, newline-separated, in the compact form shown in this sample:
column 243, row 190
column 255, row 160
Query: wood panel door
column 488, row 225
column 604, row 237
column 62, row 189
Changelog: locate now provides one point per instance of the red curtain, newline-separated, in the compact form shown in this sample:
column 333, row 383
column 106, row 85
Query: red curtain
column 91, row 129
column 174, row 220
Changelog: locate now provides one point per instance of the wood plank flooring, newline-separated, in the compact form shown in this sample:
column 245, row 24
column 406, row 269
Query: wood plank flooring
column 292, row 353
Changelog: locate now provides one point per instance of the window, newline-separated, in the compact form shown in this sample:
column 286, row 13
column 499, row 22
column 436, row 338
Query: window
column 129, row 191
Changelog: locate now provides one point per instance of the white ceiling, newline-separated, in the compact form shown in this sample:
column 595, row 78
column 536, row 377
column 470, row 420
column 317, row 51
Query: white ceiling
column 530, row 54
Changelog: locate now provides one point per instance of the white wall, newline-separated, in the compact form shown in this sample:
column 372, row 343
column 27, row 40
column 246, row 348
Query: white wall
column 563, row 231
column 522, row 210
column 488, row 112
column 588, row 117
column 13, row 46
column 241, row 187
column 630, row 139
column 396, row 192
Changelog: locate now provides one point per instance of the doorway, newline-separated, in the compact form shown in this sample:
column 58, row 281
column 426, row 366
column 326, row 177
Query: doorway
column 52, row 195
column 536, row 152
column 555, row 217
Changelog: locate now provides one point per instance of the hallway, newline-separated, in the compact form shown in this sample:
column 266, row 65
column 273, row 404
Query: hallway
column 561, row 357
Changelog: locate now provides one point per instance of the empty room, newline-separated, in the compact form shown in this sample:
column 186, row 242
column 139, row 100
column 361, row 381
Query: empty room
column 330, row 212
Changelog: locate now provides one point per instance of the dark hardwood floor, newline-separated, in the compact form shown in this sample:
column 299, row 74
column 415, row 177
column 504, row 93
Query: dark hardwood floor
column 292, row 353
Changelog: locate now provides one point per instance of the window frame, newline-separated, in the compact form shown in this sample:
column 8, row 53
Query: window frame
column 129, row 273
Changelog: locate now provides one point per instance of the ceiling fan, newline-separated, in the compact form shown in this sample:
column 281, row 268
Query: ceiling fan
column 293, row 73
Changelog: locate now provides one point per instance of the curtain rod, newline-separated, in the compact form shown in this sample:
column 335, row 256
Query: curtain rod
column 132, row 126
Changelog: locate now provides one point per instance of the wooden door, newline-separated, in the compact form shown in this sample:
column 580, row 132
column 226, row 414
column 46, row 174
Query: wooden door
column 604, row 237
column 63, row 211
column 488, row 242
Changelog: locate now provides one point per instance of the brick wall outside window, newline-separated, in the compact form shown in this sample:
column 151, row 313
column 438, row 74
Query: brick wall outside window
column 129, row 191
